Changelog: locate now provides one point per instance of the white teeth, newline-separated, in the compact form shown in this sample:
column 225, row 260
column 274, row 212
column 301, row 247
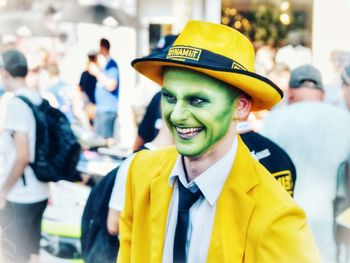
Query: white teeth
column 187, row 130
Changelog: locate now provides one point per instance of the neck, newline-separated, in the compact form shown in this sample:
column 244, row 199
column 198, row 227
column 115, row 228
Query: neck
column 195, row 166
column 17, row 83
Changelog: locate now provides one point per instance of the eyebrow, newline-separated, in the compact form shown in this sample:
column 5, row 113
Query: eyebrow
column 165, row 90
column 195, row 93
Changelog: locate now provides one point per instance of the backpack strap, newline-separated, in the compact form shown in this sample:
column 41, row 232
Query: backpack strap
column 31, row 105
column 23, row 178
column 26, row 100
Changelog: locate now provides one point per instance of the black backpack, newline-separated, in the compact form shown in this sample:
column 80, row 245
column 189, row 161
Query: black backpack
column 97, row 245
column 57, row 150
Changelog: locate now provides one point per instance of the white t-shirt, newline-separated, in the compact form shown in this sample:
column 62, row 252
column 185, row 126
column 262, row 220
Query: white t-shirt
column 117, row 199
column 19, row 117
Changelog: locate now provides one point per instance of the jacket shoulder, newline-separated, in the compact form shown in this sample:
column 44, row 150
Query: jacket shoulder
column 148, row 164
column 154, row 156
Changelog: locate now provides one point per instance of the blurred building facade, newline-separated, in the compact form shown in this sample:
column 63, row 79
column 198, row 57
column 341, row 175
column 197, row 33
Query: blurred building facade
column 135, row 26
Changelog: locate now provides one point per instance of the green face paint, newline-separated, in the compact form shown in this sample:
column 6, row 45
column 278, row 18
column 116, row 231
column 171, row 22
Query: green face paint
column 198, row 110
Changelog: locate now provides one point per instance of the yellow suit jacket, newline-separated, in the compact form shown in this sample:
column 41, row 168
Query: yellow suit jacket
column 255, row 221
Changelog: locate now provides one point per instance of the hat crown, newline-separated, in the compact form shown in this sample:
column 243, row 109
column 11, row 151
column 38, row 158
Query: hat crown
column 218, row 51
column 219, row 39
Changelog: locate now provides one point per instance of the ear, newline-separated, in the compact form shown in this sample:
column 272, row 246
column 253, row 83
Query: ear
column 4, row 73
column 242, row 108
column 322, row 94
column 290, row 95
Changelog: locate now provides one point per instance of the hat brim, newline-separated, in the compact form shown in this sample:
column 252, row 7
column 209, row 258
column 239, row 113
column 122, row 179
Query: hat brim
column 264, row 93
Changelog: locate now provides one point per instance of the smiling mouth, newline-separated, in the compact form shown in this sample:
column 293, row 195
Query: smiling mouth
column 188, row 133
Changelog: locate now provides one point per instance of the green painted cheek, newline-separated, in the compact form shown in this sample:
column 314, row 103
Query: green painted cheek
column 166, row 111
column 216, row 122
column 216, row 131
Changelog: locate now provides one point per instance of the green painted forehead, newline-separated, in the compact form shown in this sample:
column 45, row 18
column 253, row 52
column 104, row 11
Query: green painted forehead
column 181, row 74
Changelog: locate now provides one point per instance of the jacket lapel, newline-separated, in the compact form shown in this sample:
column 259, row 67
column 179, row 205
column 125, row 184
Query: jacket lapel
column 233, row 210
column 160, row 198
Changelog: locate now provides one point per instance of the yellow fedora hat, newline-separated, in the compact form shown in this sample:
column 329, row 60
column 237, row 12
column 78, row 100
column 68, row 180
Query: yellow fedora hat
column 218, row 51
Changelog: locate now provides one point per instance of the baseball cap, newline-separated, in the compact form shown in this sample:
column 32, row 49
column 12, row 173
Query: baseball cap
column 346, row 75
column 14, row 62
column 306, row 76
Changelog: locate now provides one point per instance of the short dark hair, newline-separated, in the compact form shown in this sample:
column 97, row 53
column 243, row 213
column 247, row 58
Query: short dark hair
column 92, row 56
column 14, row 62
column 105, row 43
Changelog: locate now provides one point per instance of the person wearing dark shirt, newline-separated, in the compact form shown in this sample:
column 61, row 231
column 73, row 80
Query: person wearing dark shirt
column 270, row 155
column 151, row 122
column 87, row 81
column 87, row 84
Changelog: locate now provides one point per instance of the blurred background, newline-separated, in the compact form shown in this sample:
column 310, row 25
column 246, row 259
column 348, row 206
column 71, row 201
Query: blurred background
column 63, row 32
column 285, row 33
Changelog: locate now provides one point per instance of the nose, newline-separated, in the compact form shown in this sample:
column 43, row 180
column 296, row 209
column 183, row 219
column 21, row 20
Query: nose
column 179, row 114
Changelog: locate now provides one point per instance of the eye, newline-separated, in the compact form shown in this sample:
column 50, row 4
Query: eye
column 168, row 97
column 196, row 101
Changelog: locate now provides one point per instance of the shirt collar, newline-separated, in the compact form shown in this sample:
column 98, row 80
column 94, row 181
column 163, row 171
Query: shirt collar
column 22, row 91
column 211, row 181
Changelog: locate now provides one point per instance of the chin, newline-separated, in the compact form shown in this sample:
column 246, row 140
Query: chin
column 186, row 151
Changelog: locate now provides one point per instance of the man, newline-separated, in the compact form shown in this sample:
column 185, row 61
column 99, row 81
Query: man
column 106, row 93
column 209, row 200
column 151, row 122
column 316, row 137
column 22, row 197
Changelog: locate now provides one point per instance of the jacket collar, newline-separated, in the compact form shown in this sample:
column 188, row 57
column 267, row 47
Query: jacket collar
column 233, row 209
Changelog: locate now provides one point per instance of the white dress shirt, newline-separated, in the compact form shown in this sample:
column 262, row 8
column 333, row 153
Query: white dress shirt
column 202, row 213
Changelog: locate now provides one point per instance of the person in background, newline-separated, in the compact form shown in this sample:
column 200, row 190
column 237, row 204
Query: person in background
column 208, row 199
column 295, row 53
column 150, row 124
column 87, row 86
column 65, row 97
column 264, row 59
column 316, row 136
column 280, row 74
column 270, row 155
column 23, row 198
column 106, row 92
column 333, row 88
column 345, row 76
column 61, row 91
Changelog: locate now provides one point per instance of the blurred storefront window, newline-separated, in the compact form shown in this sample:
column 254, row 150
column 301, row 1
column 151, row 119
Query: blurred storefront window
column 272, row 22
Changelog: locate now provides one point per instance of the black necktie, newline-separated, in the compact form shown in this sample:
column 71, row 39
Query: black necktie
column 186, row 200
